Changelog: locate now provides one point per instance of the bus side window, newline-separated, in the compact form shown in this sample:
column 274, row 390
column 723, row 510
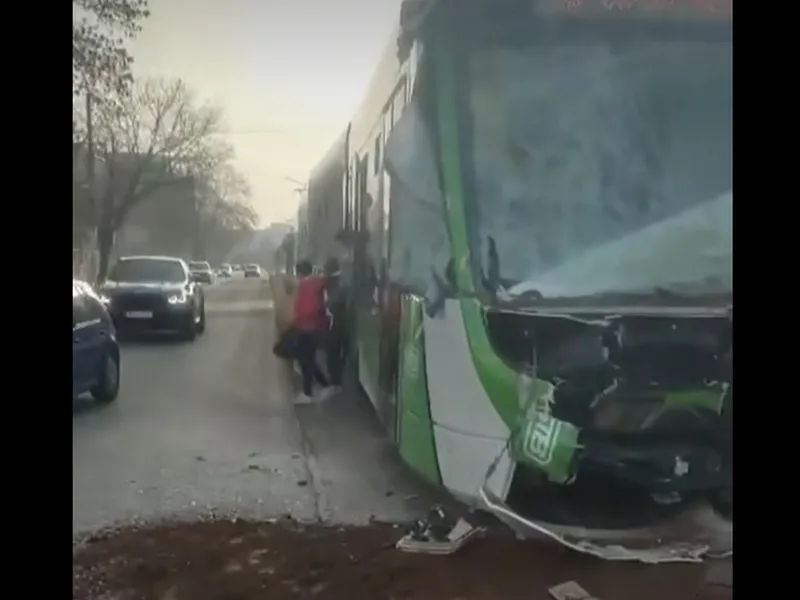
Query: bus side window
column 346, row 219
column 361, row 200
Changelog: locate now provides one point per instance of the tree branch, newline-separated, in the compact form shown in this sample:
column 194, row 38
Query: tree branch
column 100, row 62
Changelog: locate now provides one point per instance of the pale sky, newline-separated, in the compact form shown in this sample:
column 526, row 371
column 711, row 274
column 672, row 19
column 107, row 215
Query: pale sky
column 288, row 73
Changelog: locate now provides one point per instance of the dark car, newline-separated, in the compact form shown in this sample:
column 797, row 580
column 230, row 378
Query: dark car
column 152, row 293
column 95, row 352
column 201, row 272
column 252, row 271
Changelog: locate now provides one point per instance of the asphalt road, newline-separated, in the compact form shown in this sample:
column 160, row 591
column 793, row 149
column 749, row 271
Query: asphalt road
column 207, row 427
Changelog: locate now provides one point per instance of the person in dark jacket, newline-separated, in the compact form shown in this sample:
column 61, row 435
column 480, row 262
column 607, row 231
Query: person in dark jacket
column 336, row 308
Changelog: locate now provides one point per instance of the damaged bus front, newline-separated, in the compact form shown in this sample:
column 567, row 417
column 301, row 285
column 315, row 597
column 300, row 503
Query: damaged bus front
column 576, row 348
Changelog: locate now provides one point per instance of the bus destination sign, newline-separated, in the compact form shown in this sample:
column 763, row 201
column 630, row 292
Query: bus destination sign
column 671, row 9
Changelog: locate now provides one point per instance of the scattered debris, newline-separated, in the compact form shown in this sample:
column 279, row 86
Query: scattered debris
column 255, row 556
column 570, row 590
column 237, row 558
column 232, row 567
column 171, row 593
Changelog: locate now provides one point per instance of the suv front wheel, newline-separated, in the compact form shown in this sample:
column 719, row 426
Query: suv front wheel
column 187, row 328
column 201, row 323
column 107, row 388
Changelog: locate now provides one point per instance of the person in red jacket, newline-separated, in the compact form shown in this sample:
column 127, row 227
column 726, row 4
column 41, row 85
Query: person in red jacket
column 310, row 324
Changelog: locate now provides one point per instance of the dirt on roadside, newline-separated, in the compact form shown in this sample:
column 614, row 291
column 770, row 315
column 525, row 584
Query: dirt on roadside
column 240, row 560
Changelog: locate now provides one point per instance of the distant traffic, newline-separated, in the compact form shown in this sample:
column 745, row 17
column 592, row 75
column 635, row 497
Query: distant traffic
column 252, row 270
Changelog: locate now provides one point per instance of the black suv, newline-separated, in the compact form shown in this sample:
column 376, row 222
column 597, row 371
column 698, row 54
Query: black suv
column 154, row 293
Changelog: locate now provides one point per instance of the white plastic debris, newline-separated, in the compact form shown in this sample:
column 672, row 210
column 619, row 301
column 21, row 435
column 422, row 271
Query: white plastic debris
column 435, row 534
column 570, row 590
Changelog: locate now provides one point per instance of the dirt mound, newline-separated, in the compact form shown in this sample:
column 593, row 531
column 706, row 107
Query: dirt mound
column 240, row 560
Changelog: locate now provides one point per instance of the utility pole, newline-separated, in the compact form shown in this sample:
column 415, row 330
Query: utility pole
column 198, row 242
column 90, row 162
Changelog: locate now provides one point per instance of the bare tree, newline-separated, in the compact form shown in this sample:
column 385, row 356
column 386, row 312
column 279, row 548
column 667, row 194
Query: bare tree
column 232, row 208
column 230, row 185
column 157, row 136
column 100, row 62
column 225, row 212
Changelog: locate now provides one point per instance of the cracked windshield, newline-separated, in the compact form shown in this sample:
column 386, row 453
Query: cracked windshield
column 420, row 299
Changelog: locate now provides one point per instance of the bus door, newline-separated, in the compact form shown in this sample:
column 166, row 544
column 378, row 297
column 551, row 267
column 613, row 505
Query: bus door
column 366, row 281
column 375, row 271
column 390, row 300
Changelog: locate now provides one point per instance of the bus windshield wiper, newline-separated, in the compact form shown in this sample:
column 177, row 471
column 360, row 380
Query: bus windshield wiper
column 492, row 278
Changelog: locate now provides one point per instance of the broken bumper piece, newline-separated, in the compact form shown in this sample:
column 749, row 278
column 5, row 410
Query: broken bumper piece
column 694, row 535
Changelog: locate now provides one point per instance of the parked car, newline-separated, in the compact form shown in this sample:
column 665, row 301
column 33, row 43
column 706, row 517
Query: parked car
column 151, row 293
column 95, row 351
column 201, row 272
column 252, row 270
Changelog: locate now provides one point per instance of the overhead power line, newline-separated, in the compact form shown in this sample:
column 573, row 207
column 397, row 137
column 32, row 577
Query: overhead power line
column 267, row 130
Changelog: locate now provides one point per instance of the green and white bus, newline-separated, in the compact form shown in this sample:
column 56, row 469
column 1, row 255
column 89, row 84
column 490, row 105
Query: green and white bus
column 534, row 205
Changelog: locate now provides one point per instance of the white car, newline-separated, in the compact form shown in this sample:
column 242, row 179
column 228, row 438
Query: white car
column 252, row 270
column 201, row 272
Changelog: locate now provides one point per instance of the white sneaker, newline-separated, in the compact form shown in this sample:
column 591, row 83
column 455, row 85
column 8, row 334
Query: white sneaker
column 325, row 393
column 302, row 399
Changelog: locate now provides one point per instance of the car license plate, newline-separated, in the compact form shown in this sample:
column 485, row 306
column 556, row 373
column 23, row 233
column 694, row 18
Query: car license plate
column 139, row 314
